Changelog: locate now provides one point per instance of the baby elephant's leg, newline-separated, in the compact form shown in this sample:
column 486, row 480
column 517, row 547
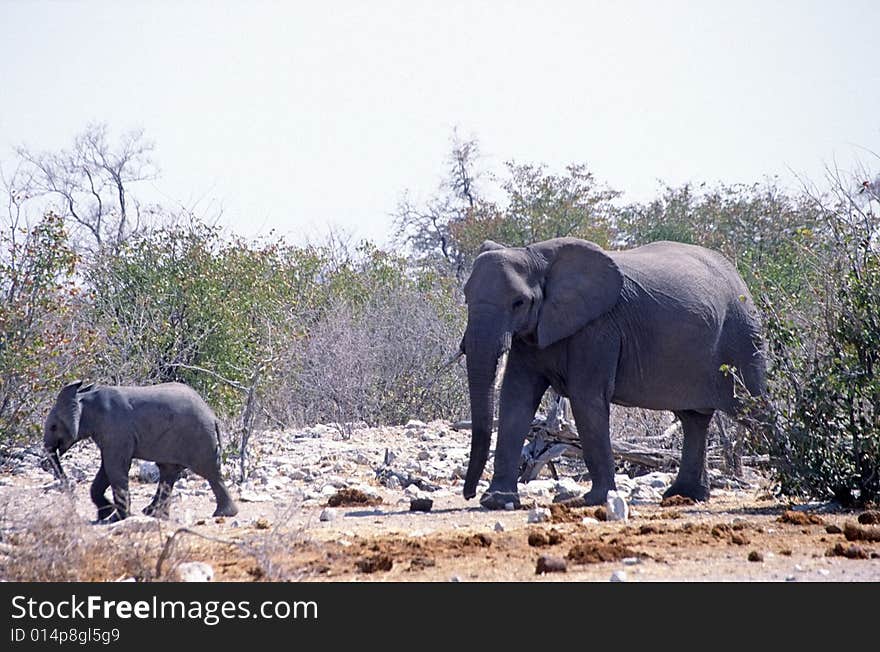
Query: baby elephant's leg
column 225, row 505
column 99, row 486
column 210, row 471
column 168, row 475
column 119, row 483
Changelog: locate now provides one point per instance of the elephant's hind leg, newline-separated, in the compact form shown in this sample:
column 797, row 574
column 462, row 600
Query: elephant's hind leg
column 211, row 472
column 692, row 480
column 99, row 487
column 168, row 474
column 225, row 505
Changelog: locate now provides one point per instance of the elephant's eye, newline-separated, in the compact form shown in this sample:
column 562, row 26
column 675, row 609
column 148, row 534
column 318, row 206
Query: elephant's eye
column 53, row 427
column 518, row 303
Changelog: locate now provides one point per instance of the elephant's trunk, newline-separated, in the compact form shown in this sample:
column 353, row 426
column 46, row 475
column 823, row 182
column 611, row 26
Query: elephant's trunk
column 482, row 353
column 52, row 462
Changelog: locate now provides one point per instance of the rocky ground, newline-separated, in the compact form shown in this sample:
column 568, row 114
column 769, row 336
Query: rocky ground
column 321, row 504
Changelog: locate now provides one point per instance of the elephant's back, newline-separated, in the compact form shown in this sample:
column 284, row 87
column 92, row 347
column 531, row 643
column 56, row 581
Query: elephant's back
column 686, row 312
column 172, row 401
column 679, row 267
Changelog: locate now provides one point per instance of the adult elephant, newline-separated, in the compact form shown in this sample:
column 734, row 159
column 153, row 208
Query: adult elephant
column 666, row 326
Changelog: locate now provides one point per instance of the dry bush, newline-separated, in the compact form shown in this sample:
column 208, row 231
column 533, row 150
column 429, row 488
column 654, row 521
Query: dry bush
column 378, row 362
column 53, row 543
column 50, row 541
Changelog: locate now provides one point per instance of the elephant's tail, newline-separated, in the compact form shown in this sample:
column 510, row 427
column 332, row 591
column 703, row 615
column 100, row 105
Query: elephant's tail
column 219, row 444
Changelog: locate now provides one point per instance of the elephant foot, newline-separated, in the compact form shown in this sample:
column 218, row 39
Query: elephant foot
column 698, row 492
column 115, row 517
column 104, row 513
column 500, row 500
column 596, row 496
column 156, row 511
column 230, row 509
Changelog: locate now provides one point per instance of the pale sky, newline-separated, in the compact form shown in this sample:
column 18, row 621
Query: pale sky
column 295, row 116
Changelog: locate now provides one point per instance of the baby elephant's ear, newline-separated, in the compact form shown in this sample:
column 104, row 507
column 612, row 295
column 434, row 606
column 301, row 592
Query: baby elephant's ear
column 68, row 407
column 581, row 283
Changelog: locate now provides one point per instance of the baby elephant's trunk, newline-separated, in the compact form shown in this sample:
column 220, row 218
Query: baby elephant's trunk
column 52, row 462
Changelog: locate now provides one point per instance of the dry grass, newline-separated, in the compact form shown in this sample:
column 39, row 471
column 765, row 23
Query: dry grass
column 52, row 542
column 48, row 540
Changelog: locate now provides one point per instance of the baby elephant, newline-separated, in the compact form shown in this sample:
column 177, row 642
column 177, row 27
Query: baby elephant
column 168, row 423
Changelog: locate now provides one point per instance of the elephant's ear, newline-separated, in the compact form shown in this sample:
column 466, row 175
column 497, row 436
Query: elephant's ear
column 68, row 408
column 489, row 245
column 582, row 282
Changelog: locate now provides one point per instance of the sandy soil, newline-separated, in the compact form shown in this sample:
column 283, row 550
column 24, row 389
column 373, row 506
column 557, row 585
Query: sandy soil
column 455, row 541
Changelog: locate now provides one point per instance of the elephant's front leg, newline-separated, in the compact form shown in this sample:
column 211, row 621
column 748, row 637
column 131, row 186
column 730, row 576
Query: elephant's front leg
column 521, row 394
column 117, row 474
column 99, row 486
column 592, row 418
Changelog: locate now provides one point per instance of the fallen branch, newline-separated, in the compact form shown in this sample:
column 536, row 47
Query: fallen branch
column 169, row 545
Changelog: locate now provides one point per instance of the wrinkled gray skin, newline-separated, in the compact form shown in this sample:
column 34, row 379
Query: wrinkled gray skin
column 169, row 424
column 649, row 327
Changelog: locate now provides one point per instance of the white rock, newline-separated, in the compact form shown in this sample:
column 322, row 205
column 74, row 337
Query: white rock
column 624, row 483
column 824, row 572
column 247, row 496
column 148, row 472
column 194, row 571
column 393, row 482
column 414, row 424
column 618, row 576
column 616, row 507
column 568, row 484
column 134, row 525
column 645, row 494
column 655, row 480
column 539, row 488
column 538, row 515
column 631, row 561
column 361, row 459
column 328, row 514
column 298, row 474
column 509, row 507
column 589, row 520
column 413, row 490
column 423, row 455
column 790, row 578
column 499, row 526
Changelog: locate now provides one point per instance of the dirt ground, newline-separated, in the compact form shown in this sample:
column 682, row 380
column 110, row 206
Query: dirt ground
column 736, row 536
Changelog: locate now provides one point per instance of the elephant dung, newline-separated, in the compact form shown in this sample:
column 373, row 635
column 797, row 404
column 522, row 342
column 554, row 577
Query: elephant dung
column 421, row 505
column 550, row 564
